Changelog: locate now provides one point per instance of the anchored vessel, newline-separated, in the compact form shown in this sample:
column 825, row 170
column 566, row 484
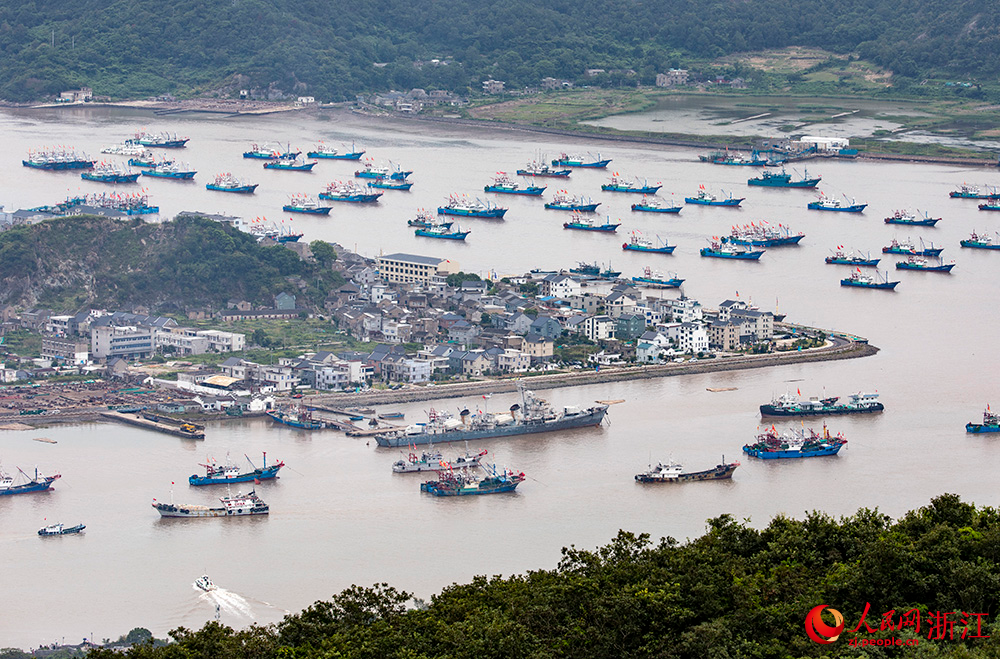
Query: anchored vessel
column 653, row 279
column 903, row 217
column 267, row 152
column 763, row 235
column 38, row 483
column 913, row 262
column 463, row 207
column 587, row 224
column 443, row 232
column 532, row 415
column 57, row 159
column 108, row 173
column 466, row 482
column 804, row 443
column 147, row 159
column 290, row 165
column 390, row 171
column 226, row 182
column 673, row 472
column 981, row 241
column 232, row 506
column 172, row 170
column 301, row 203
column 425, row 220
column 858, row 279
column 840, row 257
column 296, row 417
column 991, row 423
column 535, row 168
column 349, row 191
column 594, row 270
column 434, row 461
column 726, row 158
column 562, row 201
column 825, row 203
column 566, row 160
column 383, row 183
column 788, row 405
column 323, row 151
column 783, row 180
column 706, row 198
column 620, row 184
column 637, row 243
column 230, row 473
column 654, row 205
column 160, row 140
column 973, row 192
column 61, row 529
column 907, row 247
column 504, row 184
column 720, row 249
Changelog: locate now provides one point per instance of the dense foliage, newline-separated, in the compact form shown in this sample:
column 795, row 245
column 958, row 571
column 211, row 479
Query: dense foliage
column 330, row 51
column 188, row 263
column 735, row 592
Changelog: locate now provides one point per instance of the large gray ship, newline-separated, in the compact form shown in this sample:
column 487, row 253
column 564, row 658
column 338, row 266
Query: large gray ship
column 532, row 415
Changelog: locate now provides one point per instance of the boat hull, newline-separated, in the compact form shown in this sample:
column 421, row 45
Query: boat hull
column 864, row 263
column 239, row 189
column 56, row 166
column 277, row 164
column 903, row 265
column 353, row 199
column 311, row 210
column 579, row 208
column 597, row 164
column 829, row 410
column 886, row 286
column 296, row 423
column 658, row 283
column 264, row 473
column 773, row 242
column 707, row 202
column 666, row 249
column 767, row 183
column 532, row 191
column 493, row 213
column 182, row 510
column 335, row 156
column 856, row 208
column 181, row 176
column 744, row 256
column 913, row 223
column 656, row 209
column 721, row 472
column 557, row 173
column 791, row 454
column 605, row 228
column 458, row 235
column 975, row 244
column 649, row 189
column 583, row 420
column 977, row 428
column 432, row 487
column 112, row 178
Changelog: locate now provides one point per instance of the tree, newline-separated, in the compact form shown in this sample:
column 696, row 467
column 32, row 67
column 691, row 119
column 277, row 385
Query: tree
column 323, row 252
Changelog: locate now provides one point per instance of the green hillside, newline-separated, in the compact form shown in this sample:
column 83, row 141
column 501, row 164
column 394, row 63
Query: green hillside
column 189, row 263
column 139, row 47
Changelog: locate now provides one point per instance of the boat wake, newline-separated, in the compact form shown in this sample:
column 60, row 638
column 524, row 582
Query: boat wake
column 229, row 603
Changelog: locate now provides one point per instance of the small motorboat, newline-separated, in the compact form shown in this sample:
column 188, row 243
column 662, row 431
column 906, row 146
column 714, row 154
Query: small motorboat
column 205, row 583
column 60, row 529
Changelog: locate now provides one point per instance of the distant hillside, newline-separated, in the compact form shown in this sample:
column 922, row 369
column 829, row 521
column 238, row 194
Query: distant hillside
column 190, row 263
column 142, row 47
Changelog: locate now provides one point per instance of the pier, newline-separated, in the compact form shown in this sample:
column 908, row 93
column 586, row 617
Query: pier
column 161, row 424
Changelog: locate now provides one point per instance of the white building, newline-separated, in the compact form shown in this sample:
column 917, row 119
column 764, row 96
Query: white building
column 599, row 328
column 121, row 341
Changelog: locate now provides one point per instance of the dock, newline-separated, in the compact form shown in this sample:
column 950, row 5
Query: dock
column 176, row 428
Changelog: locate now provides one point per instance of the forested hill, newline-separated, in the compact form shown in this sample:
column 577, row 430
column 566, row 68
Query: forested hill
column 133, row 48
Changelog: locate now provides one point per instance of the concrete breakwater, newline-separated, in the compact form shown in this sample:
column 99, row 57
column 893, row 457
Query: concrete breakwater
column 840, row 349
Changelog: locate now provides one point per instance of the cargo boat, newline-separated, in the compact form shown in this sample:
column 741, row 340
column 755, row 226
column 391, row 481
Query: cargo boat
column 216, row 474
column 38, row 483
column 533, row 415
column 562, row 201
column 788, row 405
column 673, row 472
column 590, row 162
column 991, row 423
column 232, row 506
column 858, row 279
column 795, row 444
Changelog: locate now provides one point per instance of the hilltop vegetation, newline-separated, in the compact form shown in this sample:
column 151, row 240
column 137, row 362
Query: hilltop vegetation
column 143, row 47
column 189, row 263
column 735, row 592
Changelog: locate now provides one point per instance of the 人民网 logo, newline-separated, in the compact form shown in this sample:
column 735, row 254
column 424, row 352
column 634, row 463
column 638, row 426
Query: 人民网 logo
column 817, row 629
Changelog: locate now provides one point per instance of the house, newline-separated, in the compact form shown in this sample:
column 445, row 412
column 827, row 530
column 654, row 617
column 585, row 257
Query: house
column 284, row 301
column 463, row 331
column 519, row 323
column 512, row 361
column 629, row 326
column 672, row 78
column 562, row 286
column 545, row 326
column 651, row 346
column 760, row 324
column 599, row 328
column 724, row 335
column 539, row 348
column 685, row 310
column 620, row 302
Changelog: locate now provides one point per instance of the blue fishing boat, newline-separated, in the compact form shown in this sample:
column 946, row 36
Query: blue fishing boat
column 269, row 152
column 536, row 168
column 425, row 220
column 390, row 171
column 991, row 423
column 594, row 270
column 977, row 241
column 858, row 279
column 301, row 203
column 147, row 160
column 906, row 247
column 763, row 235
column 388, row 184
column 654, row 205
column 995, row 206
column 726, row 158
column 446, row 233
column 705, row 198
column 504, row 184
column 296, row 418
column 588, row 161
column 637, row 243
column 290, row 165
column 174, row 171
column 914, row 262
column 840, row 257
column 795, row 444
column 902, row 217
column 58, row 159
column 160, row 140
column 463, row 207
column 108, row 173
column 769, row 179
column 651, row 279
column 825, row 203
column 216, row 474
column 719, row 249
column 228, row 183
column 323, row 151
column 38, row 483
column 562, row 201
column 350, row 192
column 451, row 483
column 973, row 192
column 587, row 224
column 619, row 184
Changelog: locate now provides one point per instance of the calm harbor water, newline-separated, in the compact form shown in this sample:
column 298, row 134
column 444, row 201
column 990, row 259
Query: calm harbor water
column 339, row 516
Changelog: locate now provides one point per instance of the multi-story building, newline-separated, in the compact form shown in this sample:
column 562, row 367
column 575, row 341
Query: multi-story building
column 121, row 341
column 66, row 351
column 410, row 268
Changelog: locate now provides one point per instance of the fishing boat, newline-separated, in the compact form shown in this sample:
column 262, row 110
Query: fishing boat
column 531, row 416
column 226, row 182
column 673, row 472
column 109, row 173
column 425, row 220
column 842, row 258
column 302, row 203
column 637, row 243
column 57, row 159
column 563, row 201
column 993, row 206
column 216, row 474
column 726, row 250
column 654, row 205
column 793, row 405
column 973, row 192
column 173, row 171
column 652, row 279
column 36, row 483
column 131, row 204
column 581, row 223
column 536, row 168
column 768, row 179
column 991, row 423
column 384, row 183
column 392, row 415
column 297, row 417
column 763, row 235
column 858, row 279
column 161, row 140
column 620, row 184
column 349, row 191
column 390, row 171
column 907, row 247
column 126, row 148
column 914, row 262
column 903, row 217
column 261, row 229
column 737, row 159
column 290, row 165
column 588, row 161
column 504, row 184
column 61, row 529
column 232, row 506
column 433, row 461
column 447, row 233
column 463, row 207
column 981, row 241
column 323, row 151
column 805, row 443
column 706, row 198
column 204, row 583
column 825, row 203
column 451, row 483
column 594, row 270
column 147, row 159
